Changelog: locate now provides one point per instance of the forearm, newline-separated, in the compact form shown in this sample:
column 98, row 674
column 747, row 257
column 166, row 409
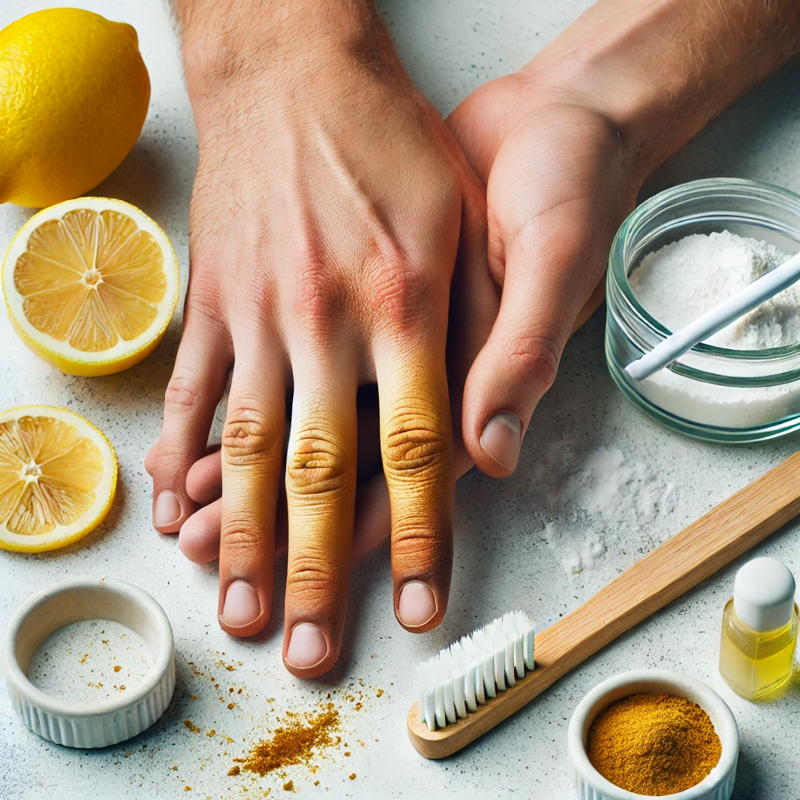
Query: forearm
column 660, row 70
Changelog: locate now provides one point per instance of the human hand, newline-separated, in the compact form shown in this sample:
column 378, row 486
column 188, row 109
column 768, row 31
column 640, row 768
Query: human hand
column 558, row 186
column 201, row 533
column 325, row 222
column 564, row 146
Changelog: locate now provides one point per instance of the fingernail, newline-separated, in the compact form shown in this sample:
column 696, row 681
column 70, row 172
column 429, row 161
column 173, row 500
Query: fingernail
column 167, row 510
column 307, row 646
column 241, row 605
column 502, row 439
column 416, row 605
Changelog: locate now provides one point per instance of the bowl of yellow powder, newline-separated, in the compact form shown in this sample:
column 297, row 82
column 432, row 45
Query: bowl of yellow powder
column 653, row 733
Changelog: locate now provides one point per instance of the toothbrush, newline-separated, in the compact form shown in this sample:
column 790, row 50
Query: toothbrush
column 481, row 680
column 716, row 318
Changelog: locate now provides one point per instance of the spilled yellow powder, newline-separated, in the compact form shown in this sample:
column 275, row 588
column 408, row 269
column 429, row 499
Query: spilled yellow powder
column 297, row 741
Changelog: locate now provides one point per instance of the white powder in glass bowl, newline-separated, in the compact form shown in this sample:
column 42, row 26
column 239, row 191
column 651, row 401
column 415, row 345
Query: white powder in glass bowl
column 683, row 279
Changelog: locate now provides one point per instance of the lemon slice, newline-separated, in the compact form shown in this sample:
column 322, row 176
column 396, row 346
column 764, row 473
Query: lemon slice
column 91, row 285
column 58, row 476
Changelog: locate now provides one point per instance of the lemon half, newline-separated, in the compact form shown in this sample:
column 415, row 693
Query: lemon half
column 91, row 285
column 58, row 476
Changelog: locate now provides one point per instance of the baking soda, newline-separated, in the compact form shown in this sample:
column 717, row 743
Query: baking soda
column 91, row 660
column 682, row 280
column 589, row 498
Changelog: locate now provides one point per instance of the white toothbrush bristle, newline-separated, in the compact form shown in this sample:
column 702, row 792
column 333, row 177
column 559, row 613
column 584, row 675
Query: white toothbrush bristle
column 474, row 669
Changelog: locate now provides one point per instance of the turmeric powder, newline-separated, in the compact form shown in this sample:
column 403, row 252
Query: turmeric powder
column 653, row 744
column 295, row 742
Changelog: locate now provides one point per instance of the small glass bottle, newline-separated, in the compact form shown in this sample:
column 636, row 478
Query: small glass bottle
column 759, row 629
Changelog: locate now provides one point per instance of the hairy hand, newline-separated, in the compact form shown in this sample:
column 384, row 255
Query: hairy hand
column 324, row 228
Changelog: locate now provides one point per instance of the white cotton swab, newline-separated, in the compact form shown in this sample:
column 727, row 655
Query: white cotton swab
column 715, row 319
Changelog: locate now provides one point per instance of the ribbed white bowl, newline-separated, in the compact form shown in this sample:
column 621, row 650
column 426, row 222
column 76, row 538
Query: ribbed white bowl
column 591, row 785
column 105, row 722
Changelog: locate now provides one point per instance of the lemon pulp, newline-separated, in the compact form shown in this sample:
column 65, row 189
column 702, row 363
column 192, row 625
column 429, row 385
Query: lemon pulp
column 90, row 285
column 90, row 279
column 57, row 478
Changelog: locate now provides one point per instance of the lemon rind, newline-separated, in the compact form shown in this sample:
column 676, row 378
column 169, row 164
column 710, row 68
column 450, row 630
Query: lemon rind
column 60, row 354
column 89, row 520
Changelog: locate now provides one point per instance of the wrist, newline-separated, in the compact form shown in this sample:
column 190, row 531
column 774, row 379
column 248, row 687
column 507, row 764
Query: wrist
column 241, row 41
column 660, row 71
column 600, row 83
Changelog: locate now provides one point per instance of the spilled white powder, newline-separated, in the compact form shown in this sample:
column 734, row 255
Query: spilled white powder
column 679, row 282
column 591, row 499
column 682, row 280
column 90, row 660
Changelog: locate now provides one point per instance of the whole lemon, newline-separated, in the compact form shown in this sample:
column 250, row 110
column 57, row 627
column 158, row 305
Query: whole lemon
column 74, row 92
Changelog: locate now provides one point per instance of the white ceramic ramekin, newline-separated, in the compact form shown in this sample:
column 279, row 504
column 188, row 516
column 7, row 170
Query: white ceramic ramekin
column 105, row 722
column 591, row 785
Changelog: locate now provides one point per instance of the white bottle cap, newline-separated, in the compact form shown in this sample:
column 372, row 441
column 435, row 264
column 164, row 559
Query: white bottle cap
column 763, row 594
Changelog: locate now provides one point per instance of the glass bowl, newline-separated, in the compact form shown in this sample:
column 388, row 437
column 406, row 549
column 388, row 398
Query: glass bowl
column 710, row 393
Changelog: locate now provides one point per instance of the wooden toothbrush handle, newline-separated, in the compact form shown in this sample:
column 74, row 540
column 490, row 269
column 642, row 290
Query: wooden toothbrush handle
column 679, row 564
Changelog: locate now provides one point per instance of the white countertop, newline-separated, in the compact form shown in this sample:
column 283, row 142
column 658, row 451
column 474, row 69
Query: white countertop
column 507, row 542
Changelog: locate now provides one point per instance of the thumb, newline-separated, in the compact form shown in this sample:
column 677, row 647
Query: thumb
column 549, row 277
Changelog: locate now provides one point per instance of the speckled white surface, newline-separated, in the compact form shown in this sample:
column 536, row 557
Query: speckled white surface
column 503, row 559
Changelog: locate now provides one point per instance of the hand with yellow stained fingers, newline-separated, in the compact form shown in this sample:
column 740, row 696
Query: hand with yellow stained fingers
column 325, row 224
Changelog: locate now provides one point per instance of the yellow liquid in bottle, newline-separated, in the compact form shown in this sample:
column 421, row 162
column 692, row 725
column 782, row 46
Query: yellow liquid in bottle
column 756, row 664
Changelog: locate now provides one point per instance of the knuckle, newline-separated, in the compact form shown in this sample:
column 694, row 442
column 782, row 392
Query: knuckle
column 172, row 455
column 183, row 391
column 313, row 579
column 421, row 547
column 317, row 297
column 317, row 465
column 414, row 445
column 249, row 437
column 398, row 295
column 240, row 533
column 535, row 359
